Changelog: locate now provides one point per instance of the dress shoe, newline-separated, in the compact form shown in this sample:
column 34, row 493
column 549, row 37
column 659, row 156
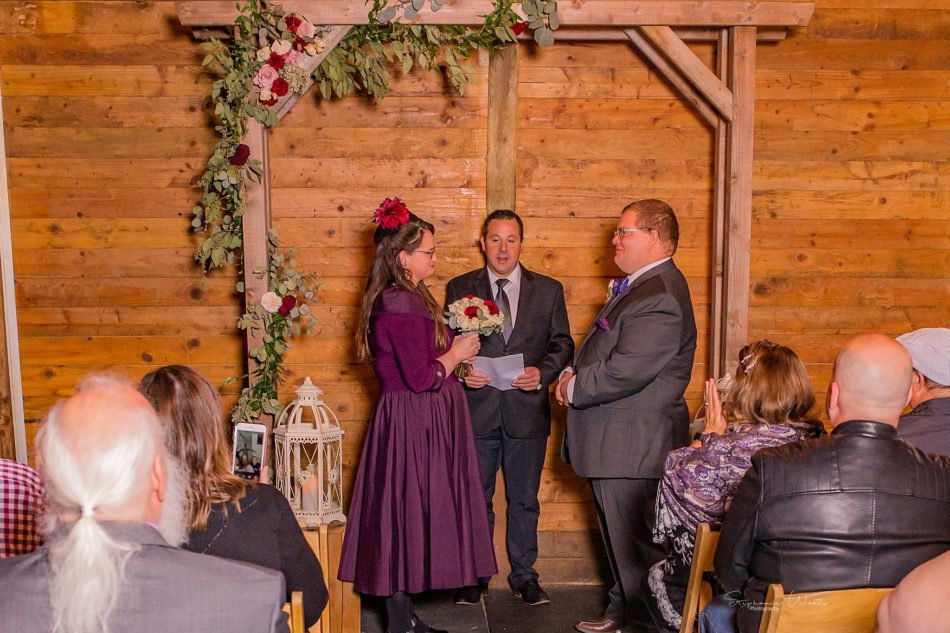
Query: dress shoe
column 532, row 593
column 469, row 595
column 602, row 625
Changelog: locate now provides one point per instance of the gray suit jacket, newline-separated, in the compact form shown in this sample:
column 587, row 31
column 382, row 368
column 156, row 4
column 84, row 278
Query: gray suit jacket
column 542, row 333
column 166, row 589
column 631, row 371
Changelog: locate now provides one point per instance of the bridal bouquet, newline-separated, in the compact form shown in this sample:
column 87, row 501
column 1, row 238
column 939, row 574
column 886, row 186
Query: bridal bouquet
column 471, row 314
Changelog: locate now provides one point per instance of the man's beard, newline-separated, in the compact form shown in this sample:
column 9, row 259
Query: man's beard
column 172, row 524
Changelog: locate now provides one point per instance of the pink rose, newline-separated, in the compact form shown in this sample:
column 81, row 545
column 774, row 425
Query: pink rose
column 266, row 76
column 305, row 29
column 293, row 58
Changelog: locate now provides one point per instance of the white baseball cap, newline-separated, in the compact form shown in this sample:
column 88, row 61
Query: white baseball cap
column 930, row 352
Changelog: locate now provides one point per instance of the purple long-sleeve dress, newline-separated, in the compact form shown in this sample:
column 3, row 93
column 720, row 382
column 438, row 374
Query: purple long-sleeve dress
column 417, row 519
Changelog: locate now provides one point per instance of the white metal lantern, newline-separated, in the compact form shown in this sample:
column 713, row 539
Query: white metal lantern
column 309, row 457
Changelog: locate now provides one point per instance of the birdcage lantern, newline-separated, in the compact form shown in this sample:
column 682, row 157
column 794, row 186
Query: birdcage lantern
column 308, row 456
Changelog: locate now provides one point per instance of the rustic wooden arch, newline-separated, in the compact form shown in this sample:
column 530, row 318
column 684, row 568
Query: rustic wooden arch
column 724, row 99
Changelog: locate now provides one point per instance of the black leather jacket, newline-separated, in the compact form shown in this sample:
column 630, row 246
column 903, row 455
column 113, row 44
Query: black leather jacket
column 857, row 508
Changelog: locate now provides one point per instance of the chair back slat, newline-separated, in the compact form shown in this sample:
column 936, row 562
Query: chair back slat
column 841, row 611
column 698, row 592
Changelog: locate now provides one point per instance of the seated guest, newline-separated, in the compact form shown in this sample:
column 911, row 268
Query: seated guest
column 105, row 565
column 228, row 516
column 769, row 403
column 928, row 426
column 857, row 508
column 921, row 602
column 22, row 499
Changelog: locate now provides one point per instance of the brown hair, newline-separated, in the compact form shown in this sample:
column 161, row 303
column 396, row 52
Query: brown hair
column 772, row 387
column 658, row 216
column 195, row 432
column 503, row 214
column 386, row 271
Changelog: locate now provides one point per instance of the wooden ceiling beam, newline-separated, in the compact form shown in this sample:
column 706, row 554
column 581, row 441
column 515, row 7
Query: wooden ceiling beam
column 620, row 13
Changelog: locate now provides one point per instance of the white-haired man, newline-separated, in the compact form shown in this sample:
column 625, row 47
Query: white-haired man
column 115, row 502
column 927, row 426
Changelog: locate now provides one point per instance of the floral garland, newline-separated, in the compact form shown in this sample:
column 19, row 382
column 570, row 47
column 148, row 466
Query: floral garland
column 266, row 62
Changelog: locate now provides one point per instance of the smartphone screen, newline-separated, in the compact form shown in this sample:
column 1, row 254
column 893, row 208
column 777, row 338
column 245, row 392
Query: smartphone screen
column 248, row 452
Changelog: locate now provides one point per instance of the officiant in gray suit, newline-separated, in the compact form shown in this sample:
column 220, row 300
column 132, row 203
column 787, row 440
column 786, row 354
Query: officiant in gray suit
column 625, row 391
column 512, row 426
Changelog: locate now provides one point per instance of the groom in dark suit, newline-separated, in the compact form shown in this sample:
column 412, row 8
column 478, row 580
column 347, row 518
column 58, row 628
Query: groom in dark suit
column 625, row 392
column 512, row 426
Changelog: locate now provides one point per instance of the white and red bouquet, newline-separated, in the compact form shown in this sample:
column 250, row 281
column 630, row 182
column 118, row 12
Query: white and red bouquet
column 472, row 314
column 284, row 60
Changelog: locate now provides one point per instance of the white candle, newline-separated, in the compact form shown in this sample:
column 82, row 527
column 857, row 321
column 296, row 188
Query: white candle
column 310, row 491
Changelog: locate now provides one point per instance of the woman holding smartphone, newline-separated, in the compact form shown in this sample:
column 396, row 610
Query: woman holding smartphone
column 228, row 516
column 417, row 519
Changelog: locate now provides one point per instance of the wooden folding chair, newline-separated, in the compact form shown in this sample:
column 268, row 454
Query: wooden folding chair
column 842, row 611
column 294, row 609
column 698, row 592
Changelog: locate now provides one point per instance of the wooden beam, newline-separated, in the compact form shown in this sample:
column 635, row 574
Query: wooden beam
column 256, row 223
column 578, row 34
column 673, row 76
column 12, row 430
column 577, row 13
column 717, row 367
column 739, row 198
column 690, row 67
column 502, row 156
column 331, row 39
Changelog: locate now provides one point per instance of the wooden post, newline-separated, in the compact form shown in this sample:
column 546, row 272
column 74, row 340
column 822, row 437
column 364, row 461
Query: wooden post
column 502, row 129
column 12, row 432
column 502, row 165
column 716, row 306
column 257, row 222
column 739, row 134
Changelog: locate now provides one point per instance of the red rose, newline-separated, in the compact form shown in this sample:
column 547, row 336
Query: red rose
column 293, row 23
column 299, row 44
column 289, row 301
column 492, row 307
column 279, row 87
column 268, row 102
column 391, row 214
column 241, row 153
column 471, row 311
column 276, row 61
column 469, row 297
column 519, row 27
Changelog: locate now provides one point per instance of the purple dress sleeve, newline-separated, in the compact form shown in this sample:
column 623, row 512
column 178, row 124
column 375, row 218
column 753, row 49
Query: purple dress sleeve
column 412, row 340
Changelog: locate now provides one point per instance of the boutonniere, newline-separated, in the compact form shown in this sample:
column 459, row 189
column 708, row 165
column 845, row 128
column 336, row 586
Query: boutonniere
column 603, row 324
column 616, row 286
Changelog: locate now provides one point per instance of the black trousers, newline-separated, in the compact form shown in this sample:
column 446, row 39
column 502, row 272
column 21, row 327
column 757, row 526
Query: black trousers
column 521, row 461
column 625, row 511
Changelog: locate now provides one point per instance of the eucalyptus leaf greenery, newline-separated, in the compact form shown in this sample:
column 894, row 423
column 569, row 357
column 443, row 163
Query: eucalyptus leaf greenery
column 273, row 326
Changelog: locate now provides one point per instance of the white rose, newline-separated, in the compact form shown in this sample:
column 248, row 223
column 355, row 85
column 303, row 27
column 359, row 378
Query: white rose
column 266, row 94
column 263, row 54
column 270, row 302
column 281, row 47
column 320, row 45
column 310, row 49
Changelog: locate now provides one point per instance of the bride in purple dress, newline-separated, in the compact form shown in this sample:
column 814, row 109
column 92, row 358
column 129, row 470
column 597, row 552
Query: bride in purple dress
column 417, row 518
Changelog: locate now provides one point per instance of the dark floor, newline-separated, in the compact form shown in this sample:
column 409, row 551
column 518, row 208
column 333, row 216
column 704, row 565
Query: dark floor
column 500, row 612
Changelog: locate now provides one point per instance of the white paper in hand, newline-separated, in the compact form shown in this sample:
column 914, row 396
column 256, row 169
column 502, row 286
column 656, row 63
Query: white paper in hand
column 502, row 370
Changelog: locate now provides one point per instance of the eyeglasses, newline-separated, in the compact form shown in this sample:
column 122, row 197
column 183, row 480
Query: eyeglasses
column 619, row 233
column 429, row 252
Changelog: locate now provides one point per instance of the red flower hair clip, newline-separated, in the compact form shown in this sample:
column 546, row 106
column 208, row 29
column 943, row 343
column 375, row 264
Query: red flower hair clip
column 391, row 214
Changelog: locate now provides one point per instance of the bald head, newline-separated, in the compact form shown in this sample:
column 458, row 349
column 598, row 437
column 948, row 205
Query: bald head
column 99, row 452
column 871, row 381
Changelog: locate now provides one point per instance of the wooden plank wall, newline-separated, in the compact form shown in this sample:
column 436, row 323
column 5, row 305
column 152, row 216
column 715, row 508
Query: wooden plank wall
column 106, row 128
